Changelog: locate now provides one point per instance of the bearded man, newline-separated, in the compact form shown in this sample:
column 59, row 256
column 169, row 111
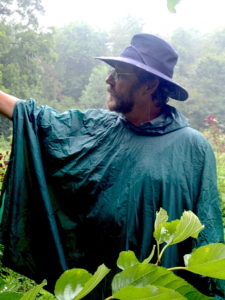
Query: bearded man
column 83, row 186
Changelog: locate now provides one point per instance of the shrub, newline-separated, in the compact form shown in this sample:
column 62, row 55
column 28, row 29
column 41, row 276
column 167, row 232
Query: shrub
column 4, row 161
column 142, row 280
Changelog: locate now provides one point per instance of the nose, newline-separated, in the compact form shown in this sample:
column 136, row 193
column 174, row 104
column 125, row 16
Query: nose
column 110, row 79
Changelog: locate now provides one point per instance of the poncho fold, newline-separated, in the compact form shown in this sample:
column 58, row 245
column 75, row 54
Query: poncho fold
column 83, row 186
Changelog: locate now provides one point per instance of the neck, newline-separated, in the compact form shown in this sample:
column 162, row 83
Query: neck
column 141, row 114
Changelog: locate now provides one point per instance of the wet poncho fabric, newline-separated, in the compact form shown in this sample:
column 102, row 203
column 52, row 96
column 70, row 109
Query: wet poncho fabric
column 82, row 186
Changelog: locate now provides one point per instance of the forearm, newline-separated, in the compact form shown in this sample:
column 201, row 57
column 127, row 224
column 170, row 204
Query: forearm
column 7, row 103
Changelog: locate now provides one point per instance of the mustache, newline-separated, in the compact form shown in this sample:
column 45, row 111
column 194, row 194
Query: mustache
column 112, row 92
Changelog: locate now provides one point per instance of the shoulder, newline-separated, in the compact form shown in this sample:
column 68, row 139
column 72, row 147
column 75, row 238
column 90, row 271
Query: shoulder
column 96, row 121
column 47, row 115
column 195, row 140
column 195, row 135
column 102, row 115
column 187, row 133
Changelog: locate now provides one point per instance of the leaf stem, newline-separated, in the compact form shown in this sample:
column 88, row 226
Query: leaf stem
column 158, row 252
column 163, row 250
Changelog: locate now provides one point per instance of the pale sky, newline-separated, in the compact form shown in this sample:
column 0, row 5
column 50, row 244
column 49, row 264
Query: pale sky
column 202, row 15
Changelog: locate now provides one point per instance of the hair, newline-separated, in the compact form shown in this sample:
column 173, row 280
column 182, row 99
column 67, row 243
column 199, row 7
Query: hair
column 160, row 96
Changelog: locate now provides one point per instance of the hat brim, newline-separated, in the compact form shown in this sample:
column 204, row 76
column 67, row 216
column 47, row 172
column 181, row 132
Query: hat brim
column 176, row 91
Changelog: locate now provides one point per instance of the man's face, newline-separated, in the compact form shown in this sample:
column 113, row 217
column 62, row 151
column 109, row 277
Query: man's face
column 123, row 87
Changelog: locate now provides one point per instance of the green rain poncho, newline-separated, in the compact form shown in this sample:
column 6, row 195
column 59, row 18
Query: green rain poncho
column 82, row 186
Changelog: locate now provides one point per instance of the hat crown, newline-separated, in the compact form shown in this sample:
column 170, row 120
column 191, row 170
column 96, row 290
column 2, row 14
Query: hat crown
column 153, row 52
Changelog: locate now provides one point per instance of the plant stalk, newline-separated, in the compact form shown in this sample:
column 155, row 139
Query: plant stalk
column 163, row 250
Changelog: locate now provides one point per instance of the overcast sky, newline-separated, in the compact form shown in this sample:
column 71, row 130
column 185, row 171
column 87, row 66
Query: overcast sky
column 203, row 15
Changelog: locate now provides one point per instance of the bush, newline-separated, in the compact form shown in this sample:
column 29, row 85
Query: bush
column 141, row 280
column 216, row 137
column 4, row 161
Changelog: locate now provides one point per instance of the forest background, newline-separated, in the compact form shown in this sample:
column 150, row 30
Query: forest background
column 56, row 65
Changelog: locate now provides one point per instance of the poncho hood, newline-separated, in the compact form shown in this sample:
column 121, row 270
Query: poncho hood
column 173, row 120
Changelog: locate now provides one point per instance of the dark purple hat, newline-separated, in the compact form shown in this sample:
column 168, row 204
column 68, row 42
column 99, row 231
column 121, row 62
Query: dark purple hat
column 154, row 55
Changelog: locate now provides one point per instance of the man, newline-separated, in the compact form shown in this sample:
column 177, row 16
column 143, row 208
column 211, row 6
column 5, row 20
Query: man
column 82, row 186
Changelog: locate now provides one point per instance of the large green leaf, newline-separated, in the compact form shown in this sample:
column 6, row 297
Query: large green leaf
column 70, row 283
column 2, row 285
column 127, row 259
column 161, row 217
column 208, row 260
column 189, row 226
column 101, row 272
column 10, row 296
column 149, row 258
column 31, row 295
column 141, row 275
column 147, row 292
column 171, row 5
column 177, row 231
column 165, row 232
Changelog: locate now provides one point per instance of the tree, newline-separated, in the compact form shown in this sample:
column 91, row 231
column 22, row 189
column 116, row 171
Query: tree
column 184, row 41
column 121, row 33
column 25, row 61
column 77, row 45
column 201, row 69
column 94, row 94
column 24, row 11
column 26, row 64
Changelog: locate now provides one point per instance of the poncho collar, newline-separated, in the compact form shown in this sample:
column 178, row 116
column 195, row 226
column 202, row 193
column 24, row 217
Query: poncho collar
column 172, row 120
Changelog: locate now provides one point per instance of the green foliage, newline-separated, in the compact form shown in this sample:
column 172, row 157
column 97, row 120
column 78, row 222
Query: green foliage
column 215, row 135
column 77, row 45
column 94, row 95
column 71, row 283
column 220, row 157
column 26, row 64
column 121, row 33
column 75, row 284
column 4, row 161
column 5, row 129
column 176, row 231
column 201, row 70
column 126, row 259
column 24, row 10
column 15, row 286
column 57, row 66
column 147, row 292
column 142, row 275
column 140, row 280
column 208, row 260
column 5, row 144
column 31, row 295
column 171, row 5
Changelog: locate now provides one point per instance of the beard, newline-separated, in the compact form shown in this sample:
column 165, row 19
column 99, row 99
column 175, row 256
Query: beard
column 121, row 103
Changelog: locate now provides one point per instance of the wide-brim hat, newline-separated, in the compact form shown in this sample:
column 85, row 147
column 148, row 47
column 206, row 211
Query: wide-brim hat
column 154, row 55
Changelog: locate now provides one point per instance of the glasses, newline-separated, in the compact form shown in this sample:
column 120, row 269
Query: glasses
column 119, row 75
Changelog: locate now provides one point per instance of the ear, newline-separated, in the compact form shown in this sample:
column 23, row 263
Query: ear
column 152, row 86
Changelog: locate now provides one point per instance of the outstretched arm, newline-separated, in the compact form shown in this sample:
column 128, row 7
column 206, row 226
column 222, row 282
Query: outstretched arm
column 7, row 103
